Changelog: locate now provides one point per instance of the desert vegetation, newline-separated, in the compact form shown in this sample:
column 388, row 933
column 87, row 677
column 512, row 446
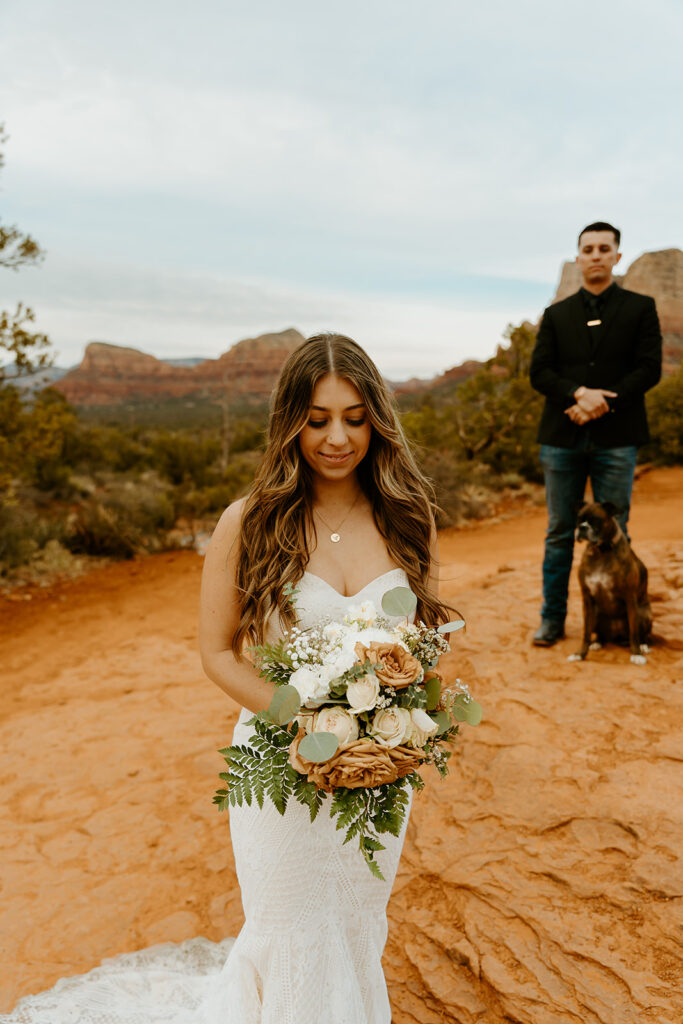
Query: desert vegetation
column 77, row 484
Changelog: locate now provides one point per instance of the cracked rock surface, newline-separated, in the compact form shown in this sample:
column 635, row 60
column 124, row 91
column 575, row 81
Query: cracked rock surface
column 541, row 883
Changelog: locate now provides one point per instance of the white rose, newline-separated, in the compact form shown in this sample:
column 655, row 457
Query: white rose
column 337, row 663
column 338, row 721
column 364, row 612
column 392, row 726
column 333, row 631
column 422, row 727
column 362, row 693
column 312, row 683
column 323, row 676
column 305, row 722
column 304, row 680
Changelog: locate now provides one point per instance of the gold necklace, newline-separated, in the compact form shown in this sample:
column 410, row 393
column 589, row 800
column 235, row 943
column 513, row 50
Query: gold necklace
column 334, row 534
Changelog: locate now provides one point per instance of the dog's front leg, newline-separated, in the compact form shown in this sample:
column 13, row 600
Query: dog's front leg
column 589, row 620
column 637, row 657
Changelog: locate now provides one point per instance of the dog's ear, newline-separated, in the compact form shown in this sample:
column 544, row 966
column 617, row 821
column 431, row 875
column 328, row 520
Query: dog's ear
column 610, row 508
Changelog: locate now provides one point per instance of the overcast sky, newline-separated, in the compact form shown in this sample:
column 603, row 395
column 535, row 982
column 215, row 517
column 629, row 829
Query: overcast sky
column 412, row 174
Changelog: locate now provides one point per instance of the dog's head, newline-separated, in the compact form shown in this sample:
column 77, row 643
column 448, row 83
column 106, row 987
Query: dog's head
column 595, row 522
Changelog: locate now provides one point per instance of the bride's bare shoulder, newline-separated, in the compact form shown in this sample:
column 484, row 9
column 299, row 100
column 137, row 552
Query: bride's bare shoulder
column 227, row 529
column 231, row 518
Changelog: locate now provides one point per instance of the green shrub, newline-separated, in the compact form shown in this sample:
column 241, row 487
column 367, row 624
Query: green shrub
column 665, row 415
column 23, row 532
column 123, row 518
column 184, row 457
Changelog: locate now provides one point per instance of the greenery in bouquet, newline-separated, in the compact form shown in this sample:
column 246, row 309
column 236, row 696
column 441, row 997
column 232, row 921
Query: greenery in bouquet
column 358, row 709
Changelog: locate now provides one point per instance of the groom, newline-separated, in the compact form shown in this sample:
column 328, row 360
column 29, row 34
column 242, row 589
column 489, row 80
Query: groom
column 597, row 353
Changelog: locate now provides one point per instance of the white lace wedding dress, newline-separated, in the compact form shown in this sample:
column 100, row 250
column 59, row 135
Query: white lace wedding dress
column 311, row 946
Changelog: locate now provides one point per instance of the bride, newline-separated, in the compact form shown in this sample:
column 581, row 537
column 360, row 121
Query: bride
column 339, row 513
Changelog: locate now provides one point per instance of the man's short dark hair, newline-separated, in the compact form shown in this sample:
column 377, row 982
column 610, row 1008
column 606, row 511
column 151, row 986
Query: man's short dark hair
column 602, row 225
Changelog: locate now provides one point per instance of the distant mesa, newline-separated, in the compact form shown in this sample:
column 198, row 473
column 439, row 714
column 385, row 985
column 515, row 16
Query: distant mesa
column 111, row 374
column 457, row 373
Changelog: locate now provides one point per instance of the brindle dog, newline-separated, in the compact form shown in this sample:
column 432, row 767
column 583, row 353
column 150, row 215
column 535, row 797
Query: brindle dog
column 613, row 585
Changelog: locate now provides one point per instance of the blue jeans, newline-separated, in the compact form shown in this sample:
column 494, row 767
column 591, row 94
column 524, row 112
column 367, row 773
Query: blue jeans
column 566, row 471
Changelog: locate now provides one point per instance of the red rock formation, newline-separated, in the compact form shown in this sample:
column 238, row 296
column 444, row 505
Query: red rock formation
column 660, row 274
column 570, row 281
column 252, row 366
column 110, row 374
column 456, row 373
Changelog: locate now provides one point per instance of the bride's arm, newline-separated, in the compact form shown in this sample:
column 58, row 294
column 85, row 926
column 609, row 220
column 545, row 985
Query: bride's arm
column 219, row 616
column 434, row 562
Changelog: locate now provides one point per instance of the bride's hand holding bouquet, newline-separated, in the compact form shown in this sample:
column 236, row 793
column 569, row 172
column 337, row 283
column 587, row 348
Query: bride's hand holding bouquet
column 358, row 708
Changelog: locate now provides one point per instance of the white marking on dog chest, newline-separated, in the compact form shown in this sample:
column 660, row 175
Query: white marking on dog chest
column 599, row 579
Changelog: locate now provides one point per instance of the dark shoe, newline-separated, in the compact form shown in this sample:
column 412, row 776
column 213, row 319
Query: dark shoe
column 548, row 633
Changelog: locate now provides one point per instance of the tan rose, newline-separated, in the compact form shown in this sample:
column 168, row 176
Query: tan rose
column 361, row 764
column 394, row 665
column 406, row 760
column 300, row 764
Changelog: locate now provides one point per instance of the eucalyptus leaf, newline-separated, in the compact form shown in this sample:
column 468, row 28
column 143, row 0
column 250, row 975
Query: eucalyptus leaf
column 318, row 746
column 473, row 712
column 451, row 627
column 459, row 713
column 399, row 601
column 443, row 720
column 286, row 703
column 433, row 691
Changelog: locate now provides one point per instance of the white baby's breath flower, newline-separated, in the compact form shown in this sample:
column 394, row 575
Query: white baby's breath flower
column 408, row 629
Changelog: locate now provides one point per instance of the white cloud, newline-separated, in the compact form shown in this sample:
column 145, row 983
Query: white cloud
column 195, row 170
column 172, row 314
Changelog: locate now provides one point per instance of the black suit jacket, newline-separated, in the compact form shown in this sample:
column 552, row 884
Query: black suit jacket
column 624, row 355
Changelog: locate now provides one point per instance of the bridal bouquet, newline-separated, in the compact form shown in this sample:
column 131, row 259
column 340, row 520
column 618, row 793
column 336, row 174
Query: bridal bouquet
column 358, row 708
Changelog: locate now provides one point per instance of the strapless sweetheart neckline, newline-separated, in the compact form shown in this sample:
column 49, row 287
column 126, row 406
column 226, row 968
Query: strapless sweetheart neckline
column 350, row 597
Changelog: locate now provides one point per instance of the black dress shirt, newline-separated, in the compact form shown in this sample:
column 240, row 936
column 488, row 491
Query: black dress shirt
column 596, row 304
column 622, row 354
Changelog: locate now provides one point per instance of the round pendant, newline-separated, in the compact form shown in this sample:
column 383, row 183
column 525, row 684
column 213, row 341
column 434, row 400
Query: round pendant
column 335, row 538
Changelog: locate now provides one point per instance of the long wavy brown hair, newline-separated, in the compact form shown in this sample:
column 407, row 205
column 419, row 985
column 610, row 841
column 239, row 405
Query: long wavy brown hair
column 278, row 509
